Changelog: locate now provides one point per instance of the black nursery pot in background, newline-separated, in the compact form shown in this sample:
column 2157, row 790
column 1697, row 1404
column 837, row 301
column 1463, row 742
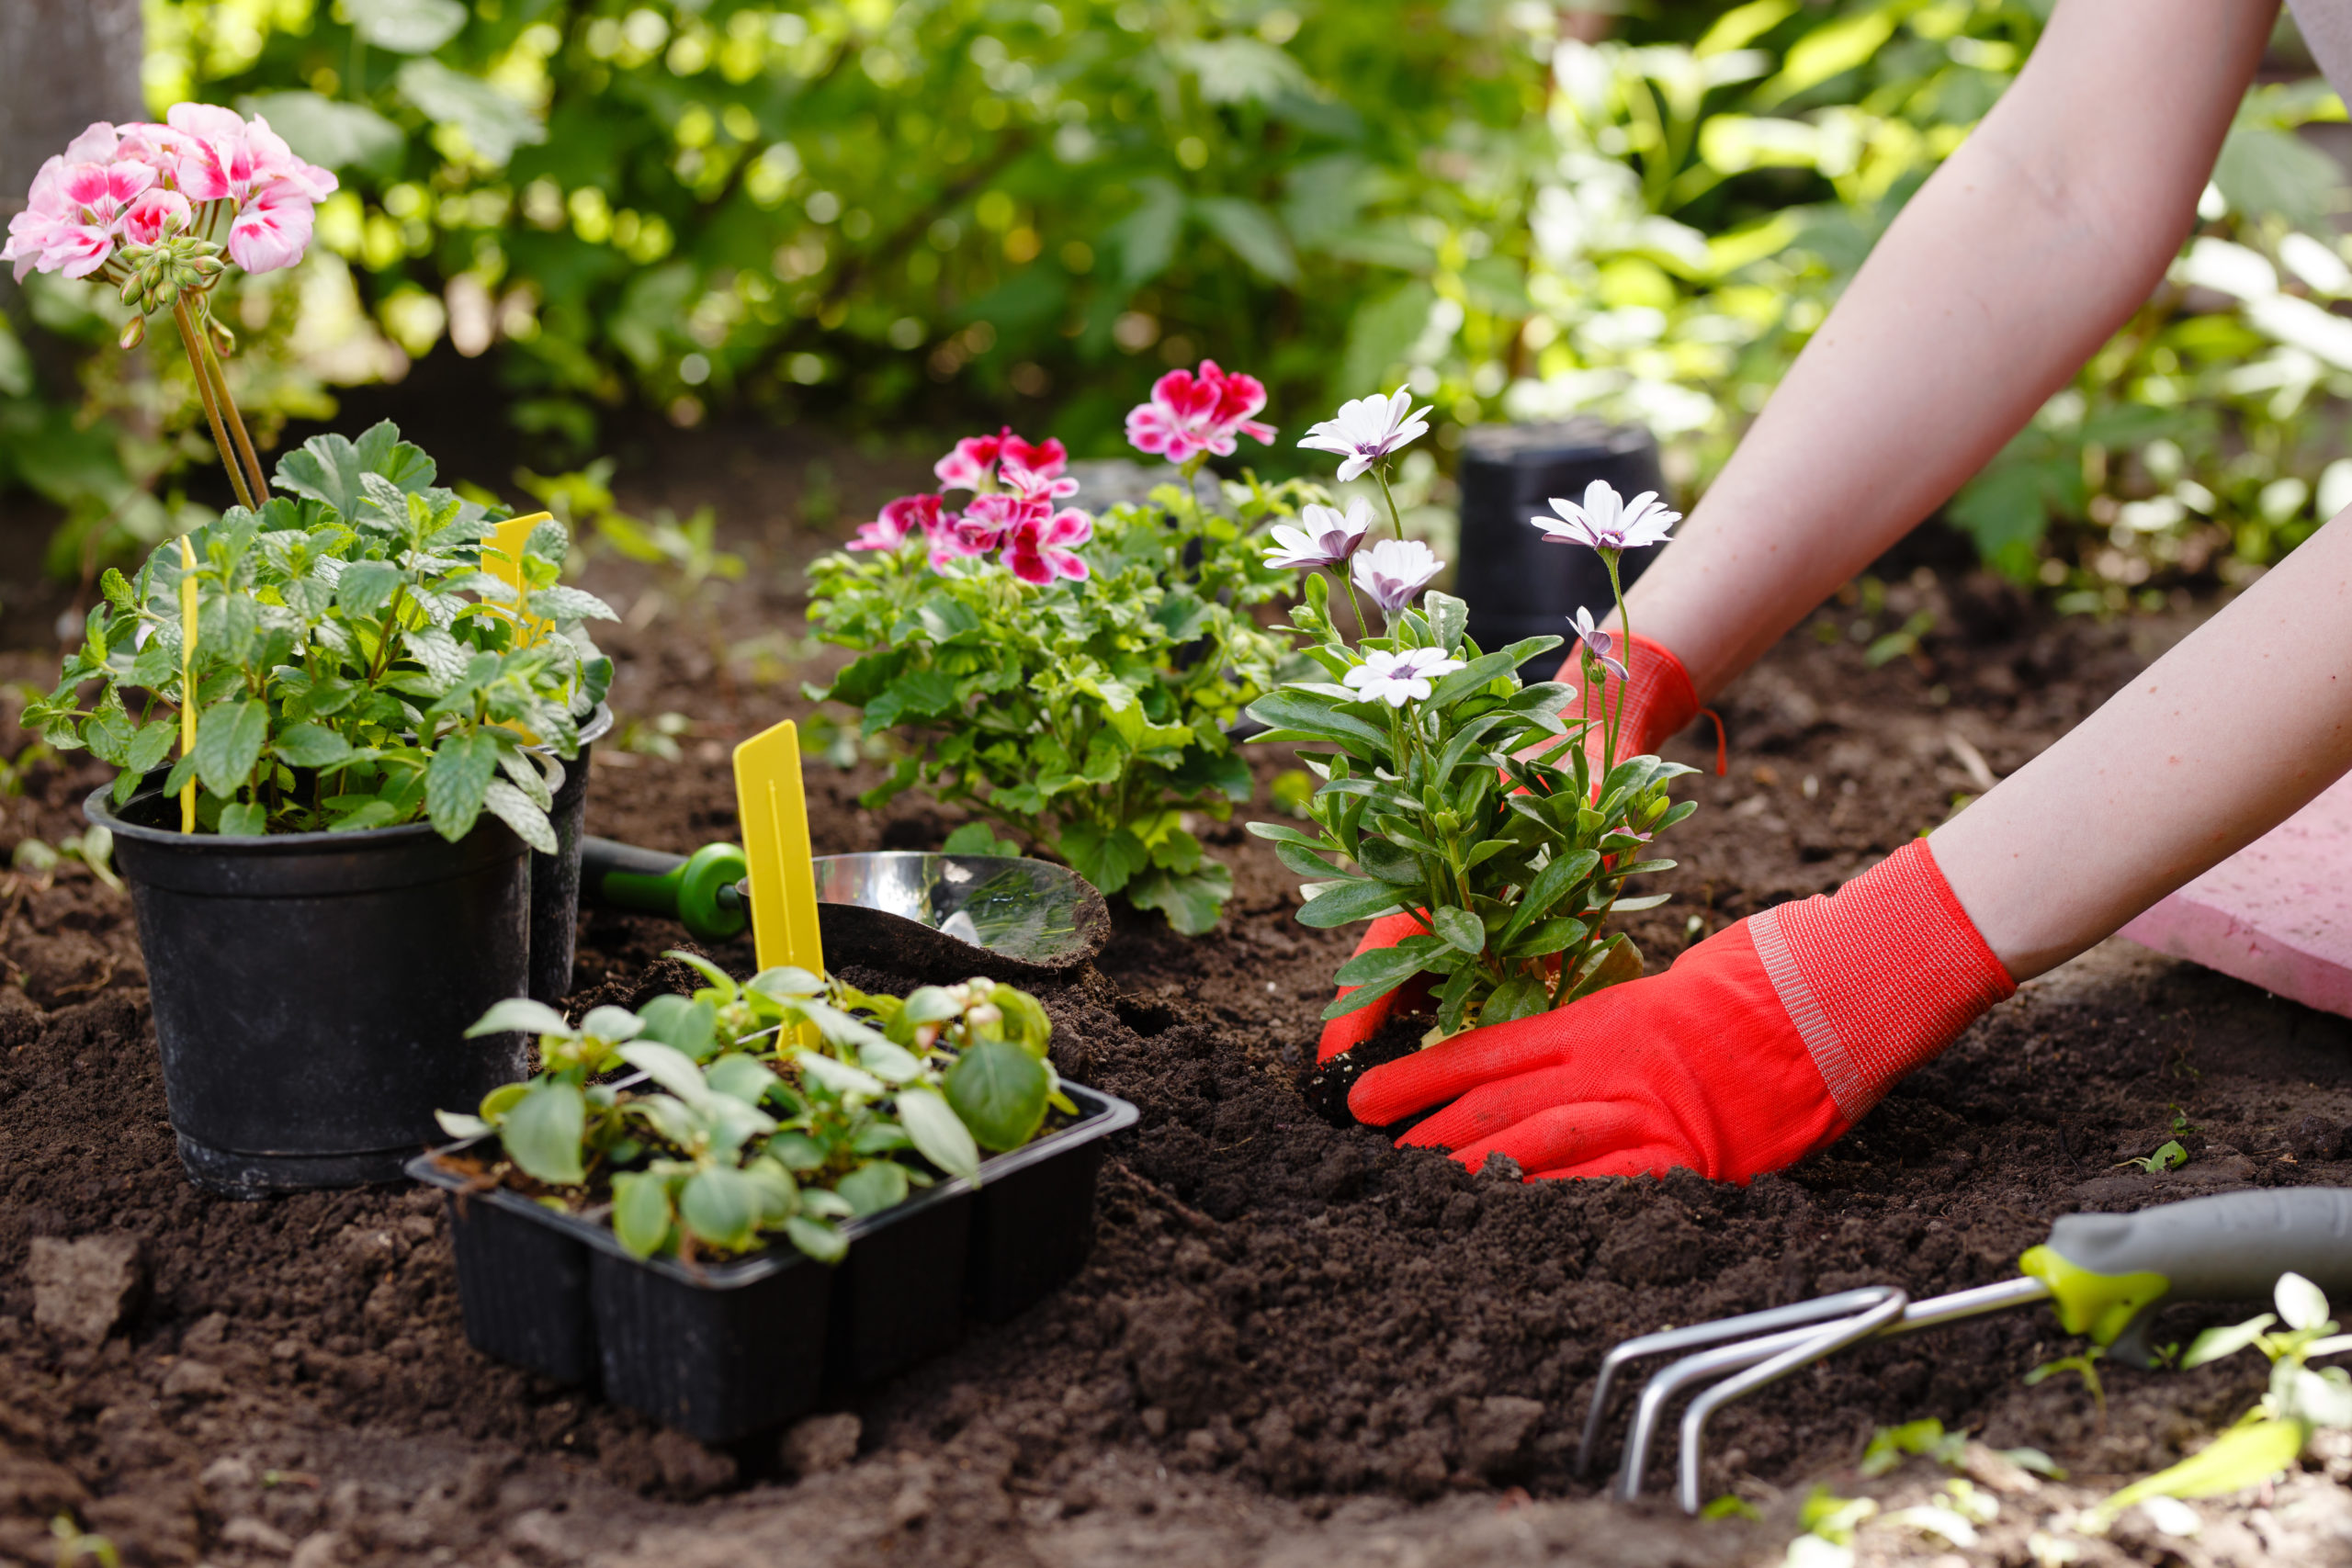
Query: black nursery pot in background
column 313, row 991
column 1517, row 583
column 555, row 879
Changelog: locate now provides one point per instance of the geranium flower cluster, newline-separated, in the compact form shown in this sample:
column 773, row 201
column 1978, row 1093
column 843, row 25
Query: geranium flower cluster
column 206, row 172
column 1015, row 486
column 1196, row 412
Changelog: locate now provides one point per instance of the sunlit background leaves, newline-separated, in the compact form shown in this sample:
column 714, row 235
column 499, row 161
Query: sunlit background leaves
column 900, row 216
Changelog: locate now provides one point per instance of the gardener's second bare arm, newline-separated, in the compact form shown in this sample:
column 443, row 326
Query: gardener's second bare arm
column 2022, row 254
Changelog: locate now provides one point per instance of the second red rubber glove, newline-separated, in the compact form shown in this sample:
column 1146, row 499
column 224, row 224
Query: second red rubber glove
column 1659, row 701
column 1761, row 1045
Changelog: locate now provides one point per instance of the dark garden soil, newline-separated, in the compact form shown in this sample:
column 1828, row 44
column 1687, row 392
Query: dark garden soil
column 1294, row 1344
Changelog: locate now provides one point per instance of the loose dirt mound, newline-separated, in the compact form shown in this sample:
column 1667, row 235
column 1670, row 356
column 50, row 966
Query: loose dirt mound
column 1295, row 1342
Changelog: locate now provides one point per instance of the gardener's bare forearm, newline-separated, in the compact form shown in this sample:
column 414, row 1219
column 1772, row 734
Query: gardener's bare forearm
column 2023, row 254
column 2219, row 741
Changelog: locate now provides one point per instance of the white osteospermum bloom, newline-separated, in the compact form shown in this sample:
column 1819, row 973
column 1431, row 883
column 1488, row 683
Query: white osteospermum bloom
column 1402, row 677
column 1328, row 538
column 1366, row 430
column 1606, row 521
column 1393, row 572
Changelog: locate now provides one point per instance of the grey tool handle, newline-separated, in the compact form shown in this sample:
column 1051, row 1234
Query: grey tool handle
column 2108, row 1272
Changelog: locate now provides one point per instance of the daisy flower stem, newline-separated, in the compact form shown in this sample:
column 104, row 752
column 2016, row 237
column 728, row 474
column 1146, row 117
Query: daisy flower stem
column 193, row 342
column 1395, row 518
column 1625, row 625
column 1363, row 628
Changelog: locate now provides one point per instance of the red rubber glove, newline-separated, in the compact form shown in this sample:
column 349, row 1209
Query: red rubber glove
column 1761, row 1045
column 1659, row 701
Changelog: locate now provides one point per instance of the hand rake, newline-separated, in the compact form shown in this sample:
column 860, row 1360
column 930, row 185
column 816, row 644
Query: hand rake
column 2106, row 1274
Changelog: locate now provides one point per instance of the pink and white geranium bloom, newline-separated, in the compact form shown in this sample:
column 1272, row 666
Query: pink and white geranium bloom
column 1193, row 412
column 1399, row 678
column 1606, row 521
column 1393, row 572
column 909, row 517
column 1597, row 641
column 1367, row 430
column 1038, row 550
column 973, row 463
column 207, row 168
column 1326, row 537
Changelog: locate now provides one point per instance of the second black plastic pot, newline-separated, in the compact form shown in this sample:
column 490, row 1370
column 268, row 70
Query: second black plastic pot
column 313, row 991
column 721, row 1351
column 555, row 879
column 1517, row 583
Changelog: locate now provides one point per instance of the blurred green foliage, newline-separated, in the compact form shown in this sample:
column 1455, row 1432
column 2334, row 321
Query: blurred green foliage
column 899, row 213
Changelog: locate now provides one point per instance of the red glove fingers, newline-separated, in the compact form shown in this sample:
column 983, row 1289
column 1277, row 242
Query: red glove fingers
column 1350, row 1030
column 1761, row 1044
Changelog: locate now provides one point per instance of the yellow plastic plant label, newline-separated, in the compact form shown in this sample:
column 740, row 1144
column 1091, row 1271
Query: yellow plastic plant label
column 187, row 678
column 501, row 557
column 774, row 816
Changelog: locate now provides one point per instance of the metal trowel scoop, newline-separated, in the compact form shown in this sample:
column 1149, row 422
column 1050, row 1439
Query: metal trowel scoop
column 937, row 917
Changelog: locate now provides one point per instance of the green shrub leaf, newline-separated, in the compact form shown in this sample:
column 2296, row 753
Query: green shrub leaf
column 998, row 1090
column 542, row 1133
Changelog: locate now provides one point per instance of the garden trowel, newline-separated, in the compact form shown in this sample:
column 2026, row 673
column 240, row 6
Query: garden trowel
column 940, row 918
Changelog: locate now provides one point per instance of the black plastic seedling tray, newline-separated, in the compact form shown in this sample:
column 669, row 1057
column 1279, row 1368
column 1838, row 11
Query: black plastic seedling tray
column 720, row 1351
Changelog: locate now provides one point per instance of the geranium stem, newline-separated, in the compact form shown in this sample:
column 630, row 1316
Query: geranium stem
column 192, row 341
column 255, row 479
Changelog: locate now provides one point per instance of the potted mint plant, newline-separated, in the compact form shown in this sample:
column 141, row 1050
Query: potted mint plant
column 747, row 1219
column 331, row 876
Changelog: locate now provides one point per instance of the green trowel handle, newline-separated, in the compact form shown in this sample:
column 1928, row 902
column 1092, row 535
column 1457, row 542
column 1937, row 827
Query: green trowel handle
column 696, row 890
column 2107, row 1272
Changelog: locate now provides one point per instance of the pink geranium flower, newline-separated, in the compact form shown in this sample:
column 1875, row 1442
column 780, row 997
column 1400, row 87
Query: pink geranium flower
column 224, row 157
column 74, row 215
column 908, row 517
column 1038, row 549
column 155, row 213
column 1194, row 411
column 974, row 462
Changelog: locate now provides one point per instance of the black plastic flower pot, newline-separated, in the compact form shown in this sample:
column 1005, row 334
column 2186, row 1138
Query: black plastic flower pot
column 555, row 879
column 313, row 991
column 720, row 1351
column 1517, row 583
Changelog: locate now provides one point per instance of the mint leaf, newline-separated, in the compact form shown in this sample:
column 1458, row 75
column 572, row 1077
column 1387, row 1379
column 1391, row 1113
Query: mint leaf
column 229, row 737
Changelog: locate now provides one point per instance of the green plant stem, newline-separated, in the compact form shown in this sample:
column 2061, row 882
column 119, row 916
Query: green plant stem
column 1395, row 518
column 1625, row 624
column 189, row 341
column 1363, row 628
column 255, row 480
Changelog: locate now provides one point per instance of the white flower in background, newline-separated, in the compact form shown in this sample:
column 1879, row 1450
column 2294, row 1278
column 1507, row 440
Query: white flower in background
column 1367, row 430
column 1393, row 572
column 1328, row 538
column 1402, row 677
column 1606, row 521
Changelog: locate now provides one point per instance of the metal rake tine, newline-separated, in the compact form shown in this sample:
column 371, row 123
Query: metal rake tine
column 1827, row 1342
column 1712, row 1333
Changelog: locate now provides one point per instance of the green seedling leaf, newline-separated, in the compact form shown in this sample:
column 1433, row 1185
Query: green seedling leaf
column 2169, row 1155
column 458, row 1124
column 720, row 1206
column 669, row 1066
column 2301, row 1304
column 891, row 1063
column 998, row 1090
column 520, row 1015
column 816, row 1239
column 839, row 1077
column 690, row 1027
column 939, row 1134
column 2215, row 1343
column 641, row 1213
column 247, row 819
column 740, row 1077
column 612, row 1023
column 1342, row 903
column 877, row 1185
column 2242, row 1457
column 543, row 1132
